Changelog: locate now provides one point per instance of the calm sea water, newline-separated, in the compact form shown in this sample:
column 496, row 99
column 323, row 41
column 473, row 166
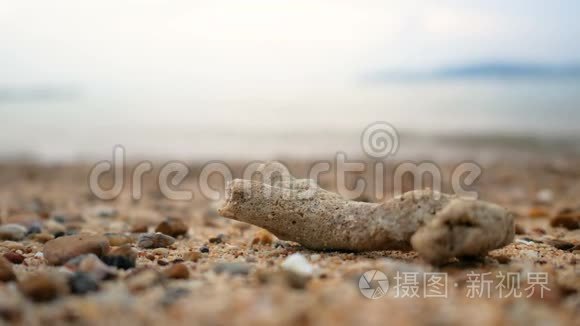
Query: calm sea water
column 429, row 116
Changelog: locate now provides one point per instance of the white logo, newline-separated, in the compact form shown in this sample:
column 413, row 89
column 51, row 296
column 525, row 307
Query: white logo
column 379, row 140
column 373, row 284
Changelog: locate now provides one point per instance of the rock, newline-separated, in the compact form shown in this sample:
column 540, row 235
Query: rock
column 117, row 239
column 545, row 196
column 154, row 240
column 192, row 256
column 162, row 262
column 558, row 244
column 143, row 279
column 6, row 272
column 232, row 268
column 92, row 265
column 60, row 250
column 14, row 232
column 82, row 283
column 537, row 212
column 297, row 270
column 53, row 227
column 140, row 227
column 41, row 237
column 220, row 238
column 123, row 257
column 204, row 249
column 43, row 286
column 177, row 271
column 263, row 237
column 172, row 226
column 566, row 218
column 102, row 211
column 26, row 220
column 14, row 258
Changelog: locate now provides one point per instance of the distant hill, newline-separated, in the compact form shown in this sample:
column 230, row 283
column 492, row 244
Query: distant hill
column 484, row 70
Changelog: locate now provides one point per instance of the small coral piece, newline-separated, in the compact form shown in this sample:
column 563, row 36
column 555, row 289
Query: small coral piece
column 438, row 226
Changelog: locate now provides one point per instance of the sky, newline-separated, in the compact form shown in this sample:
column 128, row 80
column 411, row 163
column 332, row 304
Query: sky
column 157, row 73
column 251, row 47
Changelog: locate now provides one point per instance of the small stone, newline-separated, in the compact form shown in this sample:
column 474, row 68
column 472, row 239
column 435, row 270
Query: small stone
column 60, row 250
column 26, row 220
column 14, row 258
column 172, row 226
column 220, row 238
column 297, row 270
column 140, row 227
column 193, row 256
column 117, row 239
column 263, row 237
column 163, row 252
column 102, row 211
column 123, row 257
column 154, row 240
column 43, row 287
column 177, row 271
column 92, row 265
column 204, row 249
column 545, row 196
column 82, row 283
column 232, row 268
column 13, row 232
column 559, row 244
column 519, row 229
column 143, row 279
column 41, row 237
column 162, row 262
column 6, row 272
column 566, row 218
column 537, row 212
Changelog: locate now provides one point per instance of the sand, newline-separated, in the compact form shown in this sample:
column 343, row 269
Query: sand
column 235, row 273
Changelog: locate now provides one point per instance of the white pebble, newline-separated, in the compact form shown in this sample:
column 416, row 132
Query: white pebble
column 297, row 264
column 545, row 196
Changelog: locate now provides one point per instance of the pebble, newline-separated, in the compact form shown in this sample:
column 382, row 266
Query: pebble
column 163, row 252
column 143, row 279
column 193, row 256
column 297, row 270
column 162, row 262
column 263, row 237
column 559, row 244
column 6, row 272
column 41, row 237
column 14, row 258
column 123, row 257
column 92, row 265
column 154, row 240
column 204, row 249
column 117, row 239
column 60, row 250
column 172, row 226
column 220, row 238
column 82, row 283
column 14, row 232
column 140, row 227
column 26, row 220
column 545, row 196
column 102, row 211
column 177, row 271
column 232, row 268
column 43, row 286
column 566, row 218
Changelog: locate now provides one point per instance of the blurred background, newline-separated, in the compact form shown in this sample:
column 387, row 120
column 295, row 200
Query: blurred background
column 202, row 80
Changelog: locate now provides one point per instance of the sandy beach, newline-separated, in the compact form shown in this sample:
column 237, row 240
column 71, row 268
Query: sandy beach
column 219, row 271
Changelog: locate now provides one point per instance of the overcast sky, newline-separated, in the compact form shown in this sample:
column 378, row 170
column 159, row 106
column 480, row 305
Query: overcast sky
column 245, row 46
